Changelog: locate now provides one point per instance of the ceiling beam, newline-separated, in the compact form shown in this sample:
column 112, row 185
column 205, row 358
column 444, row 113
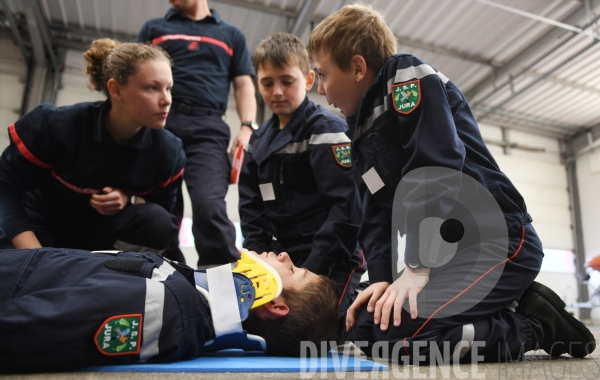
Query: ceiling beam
column 535, row 17
column 88, row 34
column 261, row 8
column 541, row 131
column 566, row 83
column 531, row 51
column 403, row 40
column 516, row 94
column 565, row 128
column 304, row 16
column 36, row 32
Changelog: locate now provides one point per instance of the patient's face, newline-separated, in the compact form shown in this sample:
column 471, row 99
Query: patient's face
column 292, row 277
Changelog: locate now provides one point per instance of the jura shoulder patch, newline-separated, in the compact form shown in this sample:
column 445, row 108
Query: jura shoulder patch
column 342, row 154
column 406, row 96
column 120, row 335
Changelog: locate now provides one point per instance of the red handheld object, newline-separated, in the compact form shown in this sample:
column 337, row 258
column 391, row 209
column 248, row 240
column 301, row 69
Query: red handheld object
column 236, row 164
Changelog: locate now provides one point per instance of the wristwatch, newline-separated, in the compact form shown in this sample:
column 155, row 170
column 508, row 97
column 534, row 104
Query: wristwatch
column 251, row 124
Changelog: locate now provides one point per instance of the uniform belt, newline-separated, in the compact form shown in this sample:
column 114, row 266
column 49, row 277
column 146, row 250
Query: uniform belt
column 187, row 109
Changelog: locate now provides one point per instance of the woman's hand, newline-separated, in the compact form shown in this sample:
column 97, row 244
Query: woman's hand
column 109, row 203
column 371, row 294
column 408, row 285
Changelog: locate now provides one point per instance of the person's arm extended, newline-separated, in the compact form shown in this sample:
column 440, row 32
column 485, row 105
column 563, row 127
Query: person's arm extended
column 26, row 239
column 337, row 237
column 245, row 104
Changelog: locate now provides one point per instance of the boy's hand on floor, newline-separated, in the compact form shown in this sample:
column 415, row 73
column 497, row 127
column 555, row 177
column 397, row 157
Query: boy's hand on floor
column 371, row 294
column 408, row 285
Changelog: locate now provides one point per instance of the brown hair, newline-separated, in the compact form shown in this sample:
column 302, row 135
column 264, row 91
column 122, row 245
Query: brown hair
column 312, row 317
column 354, row 30
column 107, row 58
column 282, row 49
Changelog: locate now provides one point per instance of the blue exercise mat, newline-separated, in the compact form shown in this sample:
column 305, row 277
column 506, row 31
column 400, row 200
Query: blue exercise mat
column 334, row 362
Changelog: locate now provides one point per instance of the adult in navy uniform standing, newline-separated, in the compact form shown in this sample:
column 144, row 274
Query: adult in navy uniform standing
column 208, row 55
column 99, row 175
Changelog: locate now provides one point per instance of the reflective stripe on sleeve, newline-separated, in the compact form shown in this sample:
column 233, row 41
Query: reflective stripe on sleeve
column 153, row 318
column 402, row 75
column 161, row 273
column 417, row 72
column 316, row 139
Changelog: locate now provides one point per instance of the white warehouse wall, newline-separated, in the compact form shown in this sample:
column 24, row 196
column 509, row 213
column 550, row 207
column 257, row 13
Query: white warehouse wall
column 588, row 174
column 541, row 179
column 12, row 84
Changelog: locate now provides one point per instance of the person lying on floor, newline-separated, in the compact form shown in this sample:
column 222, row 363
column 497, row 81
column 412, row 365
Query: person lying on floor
column 62, row 309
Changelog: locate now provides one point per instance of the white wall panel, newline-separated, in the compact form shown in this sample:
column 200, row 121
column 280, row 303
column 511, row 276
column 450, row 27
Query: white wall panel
column 543, row 185
column 12, row 79
column 589, row 194
column 73, row 87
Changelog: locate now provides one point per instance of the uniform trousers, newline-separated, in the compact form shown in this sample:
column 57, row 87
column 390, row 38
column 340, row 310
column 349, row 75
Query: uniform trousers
column 457, row 306
column 205, row 138
column 140, row 227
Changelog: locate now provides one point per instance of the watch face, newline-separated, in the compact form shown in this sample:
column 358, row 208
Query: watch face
column 251, row 124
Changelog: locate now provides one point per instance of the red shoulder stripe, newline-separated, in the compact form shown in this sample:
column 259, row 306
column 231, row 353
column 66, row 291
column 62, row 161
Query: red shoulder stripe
column 167, row 182
column 184, row 37
column 23, row 149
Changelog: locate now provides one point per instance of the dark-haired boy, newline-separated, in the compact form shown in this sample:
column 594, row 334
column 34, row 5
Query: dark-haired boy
column 297, row 193
column 419, row 155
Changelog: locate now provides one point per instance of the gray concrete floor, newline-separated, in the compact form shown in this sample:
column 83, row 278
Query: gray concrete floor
column 537, row 366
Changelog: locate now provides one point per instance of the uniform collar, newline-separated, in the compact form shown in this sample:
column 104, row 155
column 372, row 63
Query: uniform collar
column 141, row 140
column 171, row 13
column 263, row 149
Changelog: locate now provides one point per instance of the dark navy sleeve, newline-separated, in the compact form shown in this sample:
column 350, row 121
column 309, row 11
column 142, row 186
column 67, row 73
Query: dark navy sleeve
column 256, row 228
column 429, row 138
column 144, row 34
column 375, row 236
column 330, row 159
column 241, row 63
column 166, row 192
column 24, row 164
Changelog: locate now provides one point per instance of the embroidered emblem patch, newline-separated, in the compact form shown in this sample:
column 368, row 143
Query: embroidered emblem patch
column 120, row 335
column 406, row 96
column 342, row 155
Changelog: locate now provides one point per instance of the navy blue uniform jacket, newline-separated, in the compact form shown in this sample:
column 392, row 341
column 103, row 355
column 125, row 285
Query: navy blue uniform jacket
column 312, row 212
column 438, row 130
column 64, row 155
column 62, row 309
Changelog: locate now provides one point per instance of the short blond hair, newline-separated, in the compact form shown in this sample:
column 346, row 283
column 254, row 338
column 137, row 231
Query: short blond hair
column 282, row 49
column 354, row 30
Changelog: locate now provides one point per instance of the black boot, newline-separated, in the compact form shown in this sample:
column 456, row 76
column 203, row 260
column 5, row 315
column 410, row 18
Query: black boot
column 554, row 329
